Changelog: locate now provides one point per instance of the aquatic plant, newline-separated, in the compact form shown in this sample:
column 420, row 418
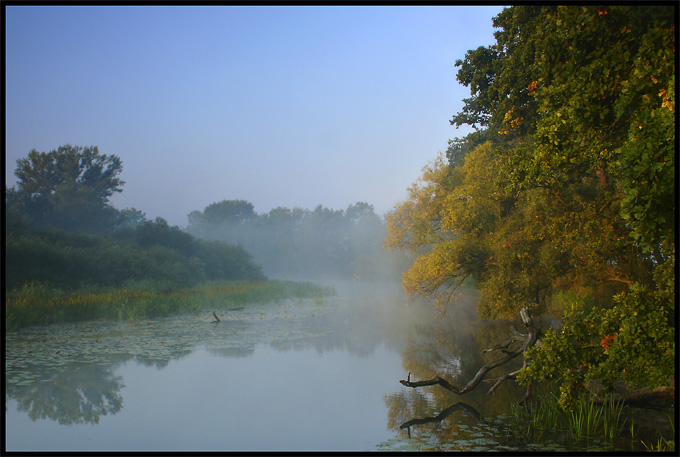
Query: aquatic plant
column 39, row 303
column 586, row 419
column 611, row 416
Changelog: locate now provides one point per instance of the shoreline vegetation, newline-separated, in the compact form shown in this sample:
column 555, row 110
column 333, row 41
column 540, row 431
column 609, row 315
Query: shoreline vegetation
column 38, row 303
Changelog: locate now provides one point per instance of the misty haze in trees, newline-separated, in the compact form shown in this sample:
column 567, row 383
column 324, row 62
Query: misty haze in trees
column 304, row 244
column 62, row 231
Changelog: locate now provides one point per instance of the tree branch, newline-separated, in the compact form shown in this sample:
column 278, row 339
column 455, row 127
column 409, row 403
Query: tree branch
column 529, row 340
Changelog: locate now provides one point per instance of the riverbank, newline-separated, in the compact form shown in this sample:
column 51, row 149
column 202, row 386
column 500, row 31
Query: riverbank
column 41, row 304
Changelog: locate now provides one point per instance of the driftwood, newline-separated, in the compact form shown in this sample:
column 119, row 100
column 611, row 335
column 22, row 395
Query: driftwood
column 527, row 340
column 217, row 319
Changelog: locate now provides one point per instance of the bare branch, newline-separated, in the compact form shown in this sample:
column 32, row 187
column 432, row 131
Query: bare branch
column 529, row 340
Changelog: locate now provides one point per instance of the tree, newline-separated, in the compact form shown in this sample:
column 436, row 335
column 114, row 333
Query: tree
column 562, row 201
column 68, row 187
column 130, row 218
column 228, row 212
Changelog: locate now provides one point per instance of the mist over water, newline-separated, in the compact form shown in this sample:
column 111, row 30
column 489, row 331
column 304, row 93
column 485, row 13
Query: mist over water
column 315, row 375
column 295, row 376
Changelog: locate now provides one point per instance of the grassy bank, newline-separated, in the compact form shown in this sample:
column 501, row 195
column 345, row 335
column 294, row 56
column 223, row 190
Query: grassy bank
column 40, row 304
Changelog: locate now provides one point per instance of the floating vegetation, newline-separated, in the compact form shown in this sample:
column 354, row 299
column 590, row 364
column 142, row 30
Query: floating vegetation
column 56, row 365
column 162, row 338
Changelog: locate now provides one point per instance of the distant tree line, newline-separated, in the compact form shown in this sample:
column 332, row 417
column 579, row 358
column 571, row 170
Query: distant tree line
column 303, row 243
column 62, row 230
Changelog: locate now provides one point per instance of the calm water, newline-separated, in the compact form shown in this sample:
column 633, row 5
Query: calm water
column 292, row 376
column 289, row 376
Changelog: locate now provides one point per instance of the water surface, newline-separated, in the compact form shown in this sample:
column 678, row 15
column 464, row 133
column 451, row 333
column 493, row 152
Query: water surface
column 298, row 375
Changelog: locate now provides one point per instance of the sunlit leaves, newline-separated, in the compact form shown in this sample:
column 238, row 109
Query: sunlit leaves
column 569, row 206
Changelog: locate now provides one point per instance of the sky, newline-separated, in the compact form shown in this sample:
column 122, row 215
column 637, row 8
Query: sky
column 280, row 106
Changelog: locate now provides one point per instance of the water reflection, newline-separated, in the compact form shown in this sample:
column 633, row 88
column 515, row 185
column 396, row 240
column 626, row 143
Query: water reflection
column 67, row 373
column 305, row 375
column 79, row 394
column 433, row 418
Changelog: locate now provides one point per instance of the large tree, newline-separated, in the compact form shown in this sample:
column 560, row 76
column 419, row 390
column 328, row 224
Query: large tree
column 562, row 201
column 68, row 187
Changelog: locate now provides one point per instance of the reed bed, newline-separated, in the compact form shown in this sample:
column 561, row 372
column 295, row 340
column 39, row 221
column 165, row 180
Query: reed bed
column 587, row 419
column 41, row 304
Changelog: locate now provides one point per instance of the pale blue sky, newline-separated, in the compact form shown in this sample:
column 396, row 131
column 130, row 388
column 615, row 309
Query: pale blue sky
column 280, row 106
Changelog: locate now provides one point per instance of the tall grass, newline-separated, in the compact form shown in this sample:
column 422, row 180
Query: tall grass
column 40, row 304
column 587, row 419
column 611, row 417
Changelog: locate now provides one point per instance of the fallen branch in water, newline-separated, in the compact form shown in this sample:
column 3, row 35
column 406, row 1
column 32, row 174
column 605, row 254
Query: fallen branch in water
column 528, row 339
column 217, row 318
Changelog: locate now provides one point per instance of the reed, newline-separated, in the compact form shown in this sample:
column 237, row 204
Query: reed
column 41, row 304
column 611, row 417
column 586, row 419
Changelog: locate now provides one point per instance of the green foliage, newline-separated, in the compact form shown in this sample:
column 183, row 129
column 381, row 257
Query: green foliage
column 153, row 251
column 563, row 200
column 227, row 212
column 68, row 187
column 633, row 341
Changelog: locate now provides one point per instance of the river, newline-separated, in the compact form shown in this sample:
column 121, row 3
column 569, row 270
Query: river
column 297, row 375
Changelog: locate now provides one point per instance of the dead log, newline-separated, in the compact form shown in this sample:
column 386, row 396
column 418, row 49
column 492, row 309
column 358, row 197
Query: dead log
column 528, row 339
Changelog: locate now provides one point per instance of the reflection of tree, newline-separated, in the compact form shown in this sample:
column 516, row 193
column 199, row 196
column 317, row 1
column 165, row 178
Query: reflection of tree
column 406, row 404
column 526, row 341
column 78, row 395
column 158, row 362
column 450, row 347
column 460, row 406
column 238, row 351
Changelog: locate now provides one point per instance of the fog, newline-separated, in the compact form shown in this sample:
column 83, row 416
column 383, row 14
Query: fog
column 298, row 243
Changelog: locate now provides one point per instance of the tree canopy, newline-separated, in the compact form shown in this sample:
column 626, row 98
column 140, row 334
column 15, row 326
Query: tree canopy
column 562, row 200
column 62, row 230
column 68, row 187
